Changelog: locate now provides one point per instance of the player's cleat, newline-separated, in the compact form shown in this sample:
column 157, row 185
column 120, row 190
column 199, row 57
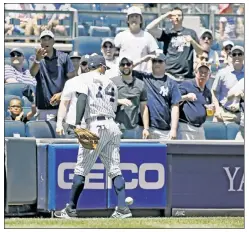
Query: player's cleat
column 122, row 213
column 66, row 213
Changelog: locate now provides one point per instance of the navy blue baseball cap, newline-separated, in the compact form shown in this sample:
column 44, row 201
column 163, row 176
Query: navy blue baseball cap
column 95, row 61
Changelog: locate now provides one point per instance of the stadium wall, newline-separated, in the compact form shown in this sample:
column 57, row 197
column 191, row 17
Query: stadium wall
column 177, row 178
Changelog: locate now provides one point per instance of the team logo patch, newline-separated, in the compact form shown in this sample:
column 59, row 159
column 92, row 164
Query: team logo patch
column 164, row 91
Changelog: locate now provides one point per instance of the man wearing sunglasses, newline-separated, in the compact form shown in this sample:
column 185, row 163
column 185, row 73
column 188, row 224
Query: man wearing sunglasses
column 196, row 99
column 225, row 55
column 179, row 43
column 16, row 72
column 225, row 79
column 163, row 99
column 132, row 98
column 206, row 41
column 75, row 58
column 51, row 69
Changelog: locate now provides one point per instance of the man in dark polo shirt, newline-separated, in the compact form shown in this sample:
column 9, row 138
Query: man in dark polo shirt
column 163, row 100
column 51, row 68
column 179, row 44
column 132, row 98
column 196, row 99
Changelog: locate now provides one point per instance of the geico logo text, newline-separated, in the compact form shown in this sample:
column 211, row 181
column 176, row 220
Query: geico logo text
column 100, row 182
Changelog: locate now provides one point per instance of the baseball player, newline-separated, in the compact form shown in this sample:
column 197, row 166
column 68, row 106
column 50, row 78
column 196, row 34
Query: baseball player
column 97, row 102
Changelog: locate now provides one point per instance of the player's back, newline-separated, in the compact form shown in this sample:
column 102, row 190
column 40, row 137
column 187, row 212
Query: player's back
column 102, row 97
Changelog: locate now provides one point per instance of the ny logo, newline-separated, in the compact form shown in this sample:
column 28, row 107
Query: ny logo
column 164, row 91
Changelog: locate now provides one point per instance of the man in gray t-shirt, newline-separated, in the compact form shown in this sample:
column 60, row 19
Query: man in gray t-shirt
column 132, row 98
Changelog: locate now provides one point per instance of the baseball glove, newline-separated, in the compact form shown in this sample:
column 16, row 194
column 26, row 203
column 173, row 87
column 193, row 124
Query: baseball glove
column 86, row 138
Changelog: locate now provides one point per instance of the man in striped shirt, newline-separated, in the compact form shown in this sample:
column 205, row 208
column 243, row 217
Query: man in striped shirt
column 15, row 72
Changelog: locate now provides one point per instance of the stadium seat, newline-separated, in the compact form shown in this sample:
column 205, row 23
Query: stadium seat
column 81, row 6
column 87, row 44
column 82, row 31
column 215, row 130
column 87, row 19
column 14, row 89
column 14, row 127
column 26, row 110
column 114, row 20
column 28, row 51
column 41, row 129
column 120, row 29
column 7, row 52
column 7, row 60
column 95, row 31
column 232, row 130
column 7, row 99
column 114, row 7
column 26, row 102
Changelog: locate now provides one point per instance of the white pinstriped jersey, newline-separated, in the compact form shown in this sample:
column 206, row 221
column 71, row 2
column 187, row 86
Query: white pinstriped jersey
column 102, row 95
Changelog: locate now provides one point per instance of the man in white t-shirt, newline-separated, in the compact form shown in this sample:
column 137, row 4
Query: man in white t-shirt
column 108, row 51
column 67, row 108
column 135, row 42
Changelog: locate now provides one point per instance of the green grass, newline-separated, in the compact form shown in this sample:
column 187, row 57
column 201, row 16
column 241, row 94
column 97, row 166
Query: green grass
column 193, row 222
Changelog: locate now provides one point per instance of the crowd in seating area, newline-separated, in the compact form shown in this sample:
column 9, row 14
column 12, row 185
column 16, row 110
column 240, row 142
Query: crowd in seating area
column 173, row 82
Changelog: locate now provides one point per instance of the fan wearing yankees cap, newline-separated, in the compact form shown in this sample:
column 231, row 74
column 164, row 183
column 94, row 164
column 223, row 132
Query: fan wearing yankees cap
column 75, row 58
column 163, row 99
column 51, row 69
column 196, row 103
column 132, row 98
column 134, row 41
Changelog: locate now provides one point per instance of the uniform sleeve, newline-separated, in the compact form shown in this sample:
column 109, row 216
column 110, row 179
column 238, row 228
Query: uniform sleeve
column 183, row 88
column 117, row 40
column 69, row 65
column 81, row 88
column 175, row 94
column 66, row 93
column 143, row 95
column 152, row 44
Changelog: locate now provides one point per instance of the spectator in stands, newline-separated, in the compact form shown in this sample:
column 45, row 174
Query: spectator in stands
column 238, row 91
column 179, row 43
column 201, row 58
column 136, row 42
column 132, row 98
column 206, row 40
column 225, row 79
column 163, row 99
column 15, row 72
column 28, row 21
column 75, row 58
column 196, row 100
column 227, row 25
column 16, row 111
column 108, row 50
column 225, row 55
column 83, row 65
column 51, row 68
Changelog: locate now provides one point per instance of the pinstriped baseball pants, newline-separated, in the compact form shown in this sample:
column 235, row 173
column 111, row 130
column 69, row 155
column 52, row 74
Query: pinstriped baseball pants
column 107, row 149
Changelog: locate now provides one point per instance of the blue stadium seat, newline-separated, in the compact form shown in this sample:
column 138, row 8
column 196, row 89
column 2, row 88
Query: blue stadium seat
column 99, row 31
column 239, row 42
column 87, row 45
column 41, row 129
column 215, row 131
column 14, row 89
column 232, row 130
column 7, row 99
column 82, row 30
column 26, row 102
column 81, row 6
column 7, row 60
column 28, row 51
column 14, row 127
column 27, row 110
column 7, row 52
column 114, row 7
column 114, row 20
